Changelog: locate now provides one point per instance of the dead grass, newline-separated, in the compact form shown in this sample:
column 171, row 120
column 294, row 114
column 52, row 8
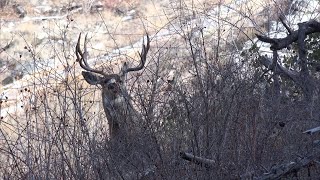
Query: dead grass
column 8, row 14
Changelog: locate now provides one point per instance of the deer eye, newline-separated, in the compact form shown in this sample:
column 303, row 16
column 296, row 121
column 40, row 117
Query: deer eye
column 110, row 87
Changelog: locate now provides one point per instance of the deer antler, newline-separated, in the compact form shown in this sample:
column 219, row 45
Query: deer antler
column 143, row 57
column 83, row 57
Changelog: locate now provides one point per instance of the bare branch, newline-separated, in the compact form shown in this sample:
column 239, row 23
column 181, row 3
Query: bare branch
column 275, row 60
column 312, row 26
column 285, row 25
column 302, row 48
column 197, row 160
column 279, row 69
column 312, row 131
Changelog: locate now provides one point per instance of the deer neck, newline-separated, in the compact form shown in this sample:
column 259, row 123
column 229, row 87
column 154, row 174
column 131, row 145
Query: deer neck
column 117, row 109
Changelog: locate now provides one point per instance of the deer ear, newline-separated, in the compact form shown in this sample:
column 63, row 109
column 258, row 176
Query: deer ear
column 91, row 78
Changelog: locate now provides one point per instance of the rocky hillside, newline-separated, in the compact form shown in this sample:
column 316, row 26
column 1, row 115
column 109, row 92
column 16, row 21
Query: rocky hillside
column 38, row 38
column 37, row 31
column 40, row 31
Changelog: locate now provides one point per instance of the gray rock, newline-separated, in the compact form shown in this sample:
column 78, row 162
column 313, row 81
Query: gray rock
column 7, row 80
column 42, row 9
column 19, row 10
column 96, row 7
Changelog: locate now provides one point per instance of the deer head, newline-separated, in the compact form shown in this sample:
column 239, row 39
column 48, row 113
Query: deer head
column 114, row 95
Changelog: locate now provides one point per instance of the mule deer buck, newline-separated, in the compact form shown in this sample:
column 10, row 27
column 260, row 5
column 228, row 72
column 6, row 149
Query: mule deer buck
column 116, row 101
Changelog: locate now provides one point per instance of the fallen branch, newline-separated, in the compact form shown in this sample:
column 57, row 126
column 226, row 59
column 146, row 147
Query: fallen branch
column 208, row 163
column 291, row 168
column 312, row 131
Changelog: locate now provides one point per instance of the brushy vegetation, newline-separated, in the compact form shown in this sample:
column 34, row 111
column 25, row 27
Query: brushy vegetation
column 199, row 94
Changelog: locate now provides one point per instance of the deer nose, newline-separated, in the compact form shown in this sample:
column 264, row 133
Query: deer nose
column 113, row 88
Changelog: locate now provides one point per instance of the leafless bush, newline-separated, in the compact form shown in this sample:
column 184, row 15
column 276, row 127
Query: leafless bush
column 3, row 3
column 198, row 97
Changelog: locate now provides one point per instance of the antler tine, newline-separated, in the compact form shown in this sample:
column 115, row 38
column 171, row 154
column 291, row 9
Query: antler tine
column 143, row 56
column 83, row 56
